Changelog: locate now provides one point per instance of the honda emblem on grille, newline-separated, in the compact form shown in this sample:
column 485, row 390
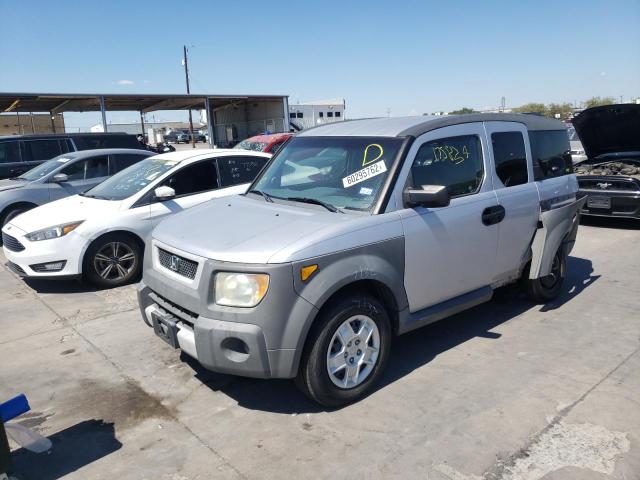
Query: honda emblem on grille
column 604, row 185
column 174, row 263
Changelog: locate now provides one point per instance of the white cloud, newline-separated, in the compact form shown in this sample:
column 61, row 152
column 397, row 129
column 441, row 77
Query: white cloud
column 603, row 74
column 126, row 82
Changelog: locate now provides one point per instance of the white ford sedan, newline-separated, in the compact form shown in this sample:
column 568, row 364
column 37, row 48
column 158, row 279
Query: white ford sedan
column 100, row 234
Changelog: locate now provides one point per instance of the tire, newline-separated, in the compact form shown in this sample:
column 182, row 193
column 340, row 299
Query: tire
column 543, row 290
column 121, row 252
column 324, row 341
column 11, row 214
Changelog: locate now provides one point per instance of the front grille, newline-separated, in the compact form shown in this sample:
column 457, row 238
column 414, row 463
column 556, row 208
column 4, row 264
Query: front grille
column 609, row 185
column 17, row 269
column 12, row 243
column 180, row 265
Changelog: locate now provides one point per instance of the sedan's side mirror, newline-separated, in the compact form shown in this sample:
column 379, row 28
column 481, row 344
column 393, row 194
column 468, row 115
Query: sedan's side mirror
column 428, row 196
column 164, row 193
column 60, row 178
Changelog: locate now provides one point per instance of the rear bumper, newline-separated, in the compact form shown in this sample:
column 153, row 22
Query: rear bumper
column 222, row 346
column 623, row 204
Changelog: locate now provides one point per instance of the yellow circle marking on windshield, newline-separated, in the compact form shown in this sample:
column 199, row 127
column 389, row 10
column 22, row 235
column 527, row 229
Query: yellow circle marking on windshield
column 366, row 150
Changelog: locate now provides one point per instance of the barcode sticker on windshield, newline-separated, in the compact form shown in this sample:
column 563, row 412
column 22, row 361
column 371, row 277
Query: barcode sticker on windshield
column 366, row 173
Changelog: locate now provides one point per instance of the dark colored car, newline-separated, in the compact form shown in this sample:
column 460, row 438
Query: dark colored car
column 610, row 176
column 20, row 153
column 270, row 143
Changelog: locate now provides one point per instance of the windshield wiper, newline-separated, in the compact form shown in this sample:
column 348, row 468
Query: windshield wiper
column 266, row 196
column 315, row 201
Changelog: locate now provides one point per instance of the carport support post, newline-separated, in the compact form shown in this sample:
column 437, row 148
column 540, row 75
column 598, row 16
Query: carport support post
column 142, row 124
column 207, row 107
column 104, row 114
column 285, row 103
column 53, row 122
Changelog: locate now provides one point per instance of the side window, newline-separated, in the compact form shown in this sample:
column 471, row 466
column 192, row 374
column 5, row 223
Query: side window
column 551, row 154
column 510, row 157
column 9, row 152
column 195, row 178
column 237, row 170
column 321, row 114
column 75, row 171
column 124, row 160
column 338, row 114
column 455, row 162
column 43, row 149
column 329, row 114
column 97, row 167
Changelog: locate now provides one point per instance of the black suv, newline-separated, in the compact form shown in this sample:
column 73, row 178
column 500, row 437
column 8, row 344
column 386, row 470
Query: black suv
column 19, row 153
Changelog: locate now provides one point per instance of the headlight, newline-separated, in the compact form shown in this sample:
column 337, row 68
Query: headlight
column 52, row 232
column 240, row 289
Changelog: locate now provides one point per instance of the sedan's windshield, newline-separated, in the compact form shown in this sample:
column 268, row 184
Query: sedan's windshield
column 131, row 180
column 342, row 172
column 45, row 168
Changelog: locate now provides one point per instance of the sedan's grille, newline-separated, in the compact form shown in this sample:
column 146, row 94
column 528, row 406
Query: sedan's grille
column 12, row 243
column 609, row 185
column 17, row 269
column 176, row 263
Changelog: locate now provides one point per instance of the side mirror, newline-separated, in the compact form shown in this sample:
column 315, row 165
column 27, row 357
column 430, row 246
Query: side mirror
column 428, row 196
column 164, row 193
column 60, row 178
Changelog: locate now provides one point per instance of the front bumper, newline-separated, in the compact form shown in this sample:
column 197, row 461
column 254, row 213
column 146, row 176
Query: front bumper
column 67, row 249
column 265, row 341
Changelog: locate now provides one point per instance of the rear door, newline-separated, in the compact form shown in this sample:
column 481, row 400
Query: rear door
column 517, row 194
column 10, row 159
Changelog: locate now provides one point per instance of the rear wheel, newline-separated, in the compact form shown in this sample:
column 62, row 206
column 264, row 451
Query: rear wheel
column 113, row 260
column 545, row 289
column 346, row 352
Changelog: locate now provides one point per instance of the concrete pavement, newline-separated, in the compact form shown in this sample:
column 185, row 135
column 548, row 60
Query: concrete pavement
column 507, row 390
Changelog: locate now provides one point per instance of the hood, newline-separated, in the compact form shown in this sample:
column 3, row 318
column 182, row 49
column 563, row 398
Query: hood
column 7, row 184
column 67, row 210
column 247, row 230
column 609, row 129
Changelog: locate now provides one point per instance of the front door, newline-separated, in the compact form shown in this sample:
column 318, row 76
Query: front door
column 517, row 194
column 449, row 250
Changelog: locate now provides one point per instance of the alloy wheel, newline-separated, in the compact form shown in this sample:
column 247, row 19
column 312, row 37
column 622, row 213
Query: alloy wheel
column 114, row 261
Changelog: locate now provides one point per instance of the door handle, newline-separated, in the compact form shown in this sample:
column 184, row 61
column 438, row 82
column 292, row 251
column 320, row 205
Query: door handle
column 493, row 215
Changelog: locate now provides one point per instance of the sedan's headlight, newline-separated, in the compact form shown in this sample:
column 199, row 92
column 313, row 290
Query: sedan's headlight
column 240, row 289
column 52, row 232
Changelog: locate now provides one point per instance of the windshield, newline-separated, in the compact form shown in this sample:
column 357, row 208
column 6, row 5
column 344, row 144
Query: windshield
column 45, row 168
column 255, row 146
column 343, row 172
column 131, row 180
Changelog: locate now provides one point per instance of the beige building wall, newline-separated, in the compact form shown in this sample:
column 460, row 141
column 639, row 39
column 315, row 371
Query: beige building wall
column 24, row 123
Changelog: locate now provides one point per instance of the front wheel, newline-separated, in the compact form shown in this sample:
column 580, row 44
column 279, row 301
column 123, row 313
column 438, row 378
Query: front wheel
column 113, row 260
column 346, row 351
column 545, row 289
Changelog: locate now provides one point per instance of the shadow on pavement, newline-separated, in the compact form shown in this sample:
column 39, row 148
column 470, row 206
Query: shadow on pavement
column 72, row 449
column 408, row 352
column 42, row 285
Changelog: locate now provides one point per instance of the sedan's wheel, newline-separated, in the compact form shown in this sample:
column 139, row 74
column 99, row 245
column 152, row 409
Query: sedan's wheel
column 113, row 260
column 545, row 289
column 346, row 350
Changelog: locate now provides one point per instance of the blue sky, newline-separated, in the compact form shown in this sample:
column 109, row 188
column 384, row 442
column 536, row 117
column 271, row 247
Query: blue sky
column 409, row 57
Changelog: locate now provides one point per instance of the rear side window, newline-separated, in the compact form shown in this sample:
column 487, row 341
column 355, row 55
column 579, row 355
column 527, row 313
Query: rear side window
column 43, row 149
column 124, row 160
column 551, row 154
column 9, row 152
column 196, row 178
column 510, row 157
column 237, row 170
column 454, row 162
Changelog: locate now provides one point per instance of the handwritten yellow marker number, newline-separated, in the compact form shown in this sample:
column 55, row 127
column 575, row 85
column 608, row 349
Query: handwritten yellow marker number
column 366, row 152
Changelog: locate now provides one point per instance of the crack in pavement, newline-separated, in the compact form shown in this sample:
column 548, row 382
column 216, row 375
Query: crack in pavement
column 502, row 466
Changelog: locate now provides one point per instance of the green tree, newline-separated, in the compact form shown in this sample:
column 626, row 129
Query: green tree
column 599, row 101
column 463, row 111
column 563, row 109
column 538, row 108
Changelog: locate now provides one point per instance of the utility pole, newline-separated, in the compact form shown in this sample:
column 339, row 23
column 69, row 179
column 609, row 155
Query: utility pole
column 186, row 76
